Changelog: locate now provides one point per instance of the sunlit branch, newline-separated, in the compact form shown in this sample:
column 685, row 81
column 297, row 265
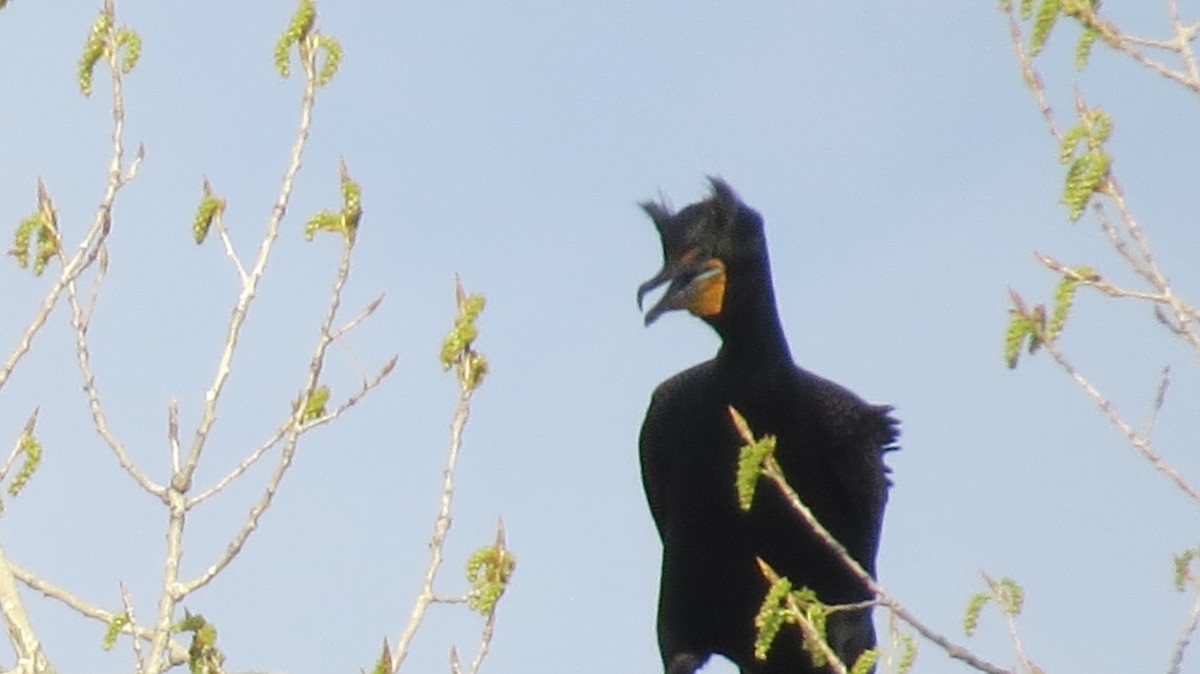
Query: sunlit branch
column 292, row 435
column 441, row 528
column 772, row 471
column 83, row 608
column 16, row 620
column 1010, row 621
column 1135, row 439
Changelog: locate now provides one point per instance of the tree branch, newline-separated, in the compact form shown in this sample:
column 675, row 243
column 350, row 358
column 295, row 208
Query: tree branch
column 772, row 471
column 441, row 528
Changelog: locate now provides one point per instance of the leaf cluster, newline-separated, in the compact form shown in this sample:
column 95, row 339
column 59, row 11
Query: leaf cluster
column 1030, row 328
column 203, row 655
column 457, row 349
column 1088, row 164
column 106, row 41
column 301, row 32
column 1006, row 593
column 115, row 625
column 384, row 664
column 1047, row 15
column 752, row 456
column 908, row 654
column 41, row 225
column 775, row 612
column 488, row 570
column 1183, row 567
column 344, row 221
column 211, row 206
column 32, row 449
column 314, row 405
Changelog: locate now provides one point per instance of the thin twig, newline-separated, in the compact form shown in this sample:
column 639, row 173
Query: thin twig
column 1136, row 440
column 1183, row 40
column 1184, row 313
column 30, row 425
column 1098, row 282
column 296, row 428
column 1010, row 620
column 358, row 319
column 811, row 634
column 139, row 659
column 281, row 431
column 227, row 243
column 173, row 433
column 355, row 398
column 441, row 527
column 1122, row 42
column 80, row 318
column 1185, row 637
column 36, row 583
column 172, row 589
column 485, row 641
column 92, row 244
column 772, row 471
column 1160, row 397
column 250, row 287
column 243, row 465
column 99, row 418
column 1032, row 79
column 1119, row 243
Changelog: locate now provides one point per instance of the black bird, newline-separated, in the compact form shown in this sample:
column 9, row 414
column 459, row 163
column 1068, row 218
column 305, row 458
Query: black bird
column 830, row 445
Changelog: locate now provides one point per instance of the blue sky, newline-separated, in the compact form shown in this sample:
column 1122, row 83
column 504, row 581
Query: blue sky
column 905, row 177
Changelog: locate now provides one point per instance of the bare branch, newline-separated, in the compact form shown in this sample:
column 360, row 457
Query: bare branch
column 173, row 433
column 34, row 582
column 485, row 641
column 279, row 433
column 296, row 427
column 1183, row 312
column 80, row 317
column 1185, row 638
column 1136, row 440
column 172, row 588
column 1119, row 243
column 1010, row 620
column 1098, row 282
column 1160, row 397
column 139, row 660
column 772, row 471
column 1032, row 79
column 441, row 528
column 355, row 398
column 227, row 243
column 169, row 594
column 250, row 287
column 243, row 466
column 99, row 418
column 1183, row 40
column 357, row 320
column 20, row 631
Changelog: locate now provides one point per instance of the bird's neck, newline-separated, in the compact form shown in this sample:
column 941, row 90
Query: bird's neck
column 752, row 333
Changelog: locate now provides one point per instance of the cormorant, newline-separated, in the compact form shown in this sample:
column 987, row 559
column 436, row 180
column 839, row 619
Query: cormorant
column 830, row 444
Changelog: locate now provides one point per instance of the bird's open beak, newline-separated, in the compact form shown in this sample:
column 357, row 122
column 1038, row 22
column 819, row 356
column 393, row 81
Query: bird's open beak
column 695, row 284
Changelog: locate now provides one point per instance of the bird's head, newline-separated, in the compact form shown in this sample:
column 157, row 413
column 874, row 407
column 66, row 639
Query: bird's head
column 706, row 246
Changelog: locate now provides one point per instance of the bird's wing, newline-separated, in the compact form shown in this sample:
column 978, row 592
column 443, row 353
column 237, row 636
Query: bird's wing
column 860, row 435
column 654, row 452
column 669, row 426
column 655, row 444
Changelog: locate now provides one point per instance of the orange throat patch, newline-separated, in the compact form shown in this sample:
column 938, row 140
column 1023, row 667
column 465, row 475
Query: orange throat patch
column 708, row 295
